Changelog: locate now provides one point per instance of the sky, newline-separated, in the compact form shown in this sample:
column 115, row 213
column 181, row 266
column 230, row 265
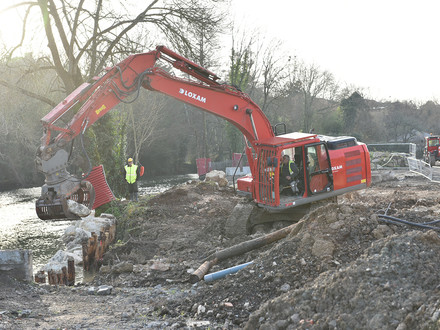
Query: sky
column 391, row 48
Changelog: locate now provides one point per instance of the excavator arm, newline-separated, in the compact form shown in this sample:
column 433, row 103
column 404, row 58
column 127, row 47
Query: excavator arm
column 122, row 83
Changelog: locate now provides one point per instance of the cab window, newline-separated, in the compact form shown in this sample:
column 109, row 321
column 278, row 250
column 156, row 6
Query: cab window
column 318, row 169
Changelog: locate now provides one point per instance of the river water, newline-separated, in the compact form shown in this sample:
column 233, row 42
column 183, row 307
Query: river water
column 20, row 228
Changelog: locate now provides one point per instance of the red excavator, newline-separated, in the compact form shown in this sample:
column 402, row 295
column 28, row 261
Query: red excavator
column 431, row 150
column 326, row 166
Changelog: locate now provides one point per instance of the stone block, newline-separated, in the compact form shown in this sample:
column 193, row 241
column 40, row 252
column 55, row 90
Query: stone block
column 17, row 264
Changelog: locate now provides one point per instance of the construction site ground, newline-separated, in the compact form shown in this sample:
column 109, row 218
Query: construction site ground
column 342, row 268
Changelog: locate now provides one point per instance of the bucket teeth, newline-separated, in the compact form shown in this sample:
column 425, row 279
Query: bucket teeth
column 56, row 208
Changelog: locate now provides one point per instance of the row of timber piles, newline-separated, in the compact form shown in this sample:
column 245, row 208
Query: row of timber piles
column 96, row 246
column 86, row 242
column 65, row 277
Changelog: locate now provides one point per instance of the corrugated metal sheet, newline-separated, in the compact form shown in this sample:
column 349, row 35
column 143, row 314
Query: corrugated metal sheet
column 103, row 193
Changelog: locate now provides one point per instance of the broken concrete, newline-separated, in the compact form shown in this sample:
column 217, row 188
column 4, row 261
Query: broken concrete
column 17, row 264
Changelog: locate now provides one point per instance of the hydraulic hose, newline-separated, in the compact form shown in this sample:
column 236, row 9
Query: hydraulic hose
column 393, row 220
column 87, row 156
column 138, row 82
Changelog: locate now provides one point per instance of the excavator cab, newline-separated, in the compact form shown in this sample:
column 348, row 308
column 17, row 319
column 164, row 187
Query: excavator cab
column 326, row 167
column 310, row 171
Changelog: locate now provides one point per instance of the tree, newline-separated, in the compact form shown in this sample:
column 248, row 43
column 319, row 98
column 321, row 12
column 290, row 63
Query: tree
column 20, row 127
column 350, row 108
column 242, row 65
column 401, row 121
column 311, row 83
column 242, row 75
column 206, row 45
column 143, row 117
column 431, row 112
column 83, row 37
column 273, row 72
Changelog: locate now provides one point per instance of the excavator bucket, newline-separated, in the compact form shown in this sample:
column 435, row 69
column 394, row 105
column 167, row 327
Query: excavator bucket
column 58, row 202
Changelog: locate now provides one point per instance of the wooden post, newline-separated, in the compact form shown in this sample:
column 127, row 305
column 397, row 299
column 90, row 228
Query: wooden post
column 202, row 271
column 256, row 243
column 40, row 277
column 70, row 272
column 94, row 249
column 242, row 248
column 64, row 275
column 53, row 278
column 89, row 251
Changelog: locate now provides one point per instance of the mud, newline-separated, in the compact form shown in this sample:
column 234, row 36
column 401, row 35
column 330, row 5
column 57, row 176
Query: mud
column 345, row 268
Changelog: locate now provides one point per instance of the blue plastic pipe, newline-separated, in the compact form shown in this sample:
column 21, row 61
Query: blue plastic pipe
column 224, row 272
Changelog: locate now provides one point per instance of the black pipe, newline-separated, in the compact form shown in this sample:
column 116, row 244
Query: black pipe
column 394, row 220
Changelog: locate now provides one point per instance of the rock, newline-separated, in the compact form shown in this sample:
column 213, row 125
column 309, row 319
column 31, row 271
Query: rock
column 332, row 324
column 323, row 248
column 59, row 260
column 201, row 309
column 104, row 290
column 105, row 269
column 377, row 321
column 281, row 324
column 69, row 232
column 107, row 215
column 95, row 224
column 285, row 287
column 236, row 224
column 216, row 176
column 25, row 313
column 401, row 326
column 295, row 318
column 223, row 182
column 160, row 266
column 123, row 267
column 78, row 209
column 382, row 231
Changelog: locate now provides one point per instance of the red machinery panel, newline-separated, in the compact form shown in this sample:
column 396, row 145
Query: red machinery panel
column 103, row 193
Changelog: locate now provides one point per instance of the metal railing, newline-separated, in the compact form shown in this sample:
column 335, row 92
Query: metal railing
column 420, row 167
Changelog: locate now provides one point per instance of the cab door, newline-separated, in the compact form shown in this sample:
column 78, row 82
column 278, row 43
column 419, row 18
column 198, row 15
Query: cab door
column 318, row 169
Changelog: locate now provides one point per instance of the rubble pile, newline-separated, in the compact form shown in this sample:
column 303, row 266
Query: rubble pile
column 343, row 267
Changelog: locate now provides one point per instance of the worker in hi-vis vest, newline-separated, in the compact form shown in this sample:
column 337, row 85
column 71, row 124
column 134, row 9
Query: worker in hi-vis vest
column 132, row 173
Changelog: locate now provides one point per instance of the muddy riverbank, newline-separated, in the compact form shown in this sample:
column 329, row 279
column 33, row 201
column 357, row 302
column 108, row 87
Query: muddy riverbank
column 344, row 267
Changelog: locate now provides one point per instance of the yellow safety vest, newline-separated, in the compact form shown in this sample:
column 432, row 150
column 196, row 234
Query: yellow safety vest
column 130, row 175
column 290, row 166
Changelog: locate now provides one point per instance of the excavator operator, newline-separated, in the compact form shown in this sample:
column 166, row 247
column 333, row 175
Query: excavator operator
column 288, row 173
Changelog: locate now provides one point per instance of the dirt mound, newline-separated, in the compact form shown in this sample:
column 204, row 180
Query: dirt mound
column 343, row 262
column 344, row 267
column 393, row 284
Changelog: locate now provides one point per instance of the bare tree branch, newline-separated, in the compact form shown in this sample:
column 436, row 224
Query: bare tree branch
column 28, row 93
